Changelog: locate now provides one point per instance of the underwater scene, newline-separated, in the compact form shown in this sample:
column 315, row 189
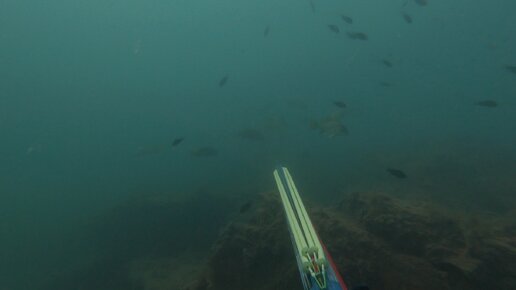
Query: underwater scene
column 139, row 141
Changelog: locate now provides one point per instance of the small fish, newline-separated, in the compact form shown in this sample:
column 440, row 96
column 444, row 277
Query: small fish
column 245, row 207
column 421, row 2
column 137, row 46
column 346, row 19
column 266, row 31
column 406, row 17
column 340, row 104
column 397, row 173
column 223, row 81
column 312, row 6
column 334, row 28
column 251, row 134
column 487, row 104
column 34, row 148
column 177, row 141
column 387, row 63
column 204, row 152
column 357, row 35
column 511, row 68
column 330, row 126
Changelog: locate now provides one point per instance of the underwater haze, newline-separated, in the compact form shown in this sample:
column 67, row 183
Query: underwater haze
column 103, row 102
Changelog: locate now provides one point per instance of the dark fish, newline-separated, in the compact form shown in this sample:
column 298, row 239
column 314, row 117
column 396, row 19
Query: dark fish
column 357, row 35
column 397, row 173
column 223, row 81
column 204, row 152
column 387, row 63
column 266, row 31
column 487, row 103
column 421, row 2
column 511, row 68
column 250, row 134
column 312, row 6
column 334, row 28
column 407, row 17
column 347, row 19
column 177, row 141
column 330, row 126
column 245, row 207
column 340, row 104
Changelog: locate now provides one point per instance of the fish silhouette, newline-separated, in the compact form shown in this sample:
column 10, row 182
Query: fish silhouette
column 333, row 28
column 357, row 35
column 223, row 81
column 397, row 173
column 487, row 103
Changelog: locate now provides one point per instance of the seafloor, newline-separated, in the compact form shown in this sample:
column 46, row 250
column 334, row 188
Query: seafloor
column 375, row 239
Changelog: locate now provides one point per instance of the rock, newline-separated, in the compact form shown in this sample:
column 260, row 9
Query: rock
column 374, row 239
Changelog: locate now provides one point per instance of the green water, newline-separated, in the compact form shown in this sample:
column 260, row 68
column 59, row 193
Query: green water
column 89, row 88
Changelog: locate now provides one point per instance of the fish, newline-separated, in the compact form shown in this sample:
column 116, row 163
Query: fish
column 250, row 134
column 340, row 104
column 137, row 47
column 487, row 103
column 357, row 35
column 312, row 6
column 387, row 63
column 204, row 152
column 421, row 2
column 406, row 17
column 177, row 141
column 330, row 126
column 333, row 28
column 34, row 148
column 245, row 207
column 397, row 173
column 346, row 19
column 511, row 68
column 266, row 31
column 158, row 149
column 223, row 81
column 29, row 150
